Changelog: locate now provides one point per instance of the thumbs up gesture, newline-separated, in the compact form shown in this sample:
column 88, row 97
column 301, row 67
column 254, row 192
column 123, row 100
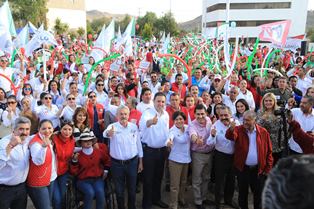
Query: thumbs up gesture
column 199, row 140
column 170, row 143
column 155, row 120
column 111, row 131
column 213, row 132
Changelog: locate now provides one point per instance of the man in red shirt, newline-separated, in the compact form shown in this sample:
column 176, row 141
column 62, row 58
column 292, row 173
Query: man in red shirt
column 179, row 87
column 175, row 106
column 252, row 157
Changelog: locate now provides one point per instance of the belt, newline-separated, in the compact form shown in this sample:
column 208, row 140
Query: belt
column 251, row 167
column 11, row 186
column 123, row 162
column 145, row 146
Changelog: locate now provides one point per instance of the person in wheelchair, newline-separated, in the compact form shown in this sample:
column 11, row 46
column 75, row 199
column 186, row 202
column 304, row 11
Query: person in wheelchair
column 91, row 166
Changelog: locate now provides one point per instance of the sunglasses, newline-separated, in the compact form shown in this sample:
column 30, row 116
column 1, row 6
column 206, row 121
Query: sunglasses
column 48, row 98
column 27, row 89
column 4, row 60
column 71, row 98
column 100, row 84
column 217, row 80
column 93, row 96
column 11, row 102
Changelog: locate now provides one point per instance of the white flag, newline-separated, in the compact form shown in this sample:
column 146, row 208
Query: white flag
column 105, row 37
column 22, row 38
column 41, row 37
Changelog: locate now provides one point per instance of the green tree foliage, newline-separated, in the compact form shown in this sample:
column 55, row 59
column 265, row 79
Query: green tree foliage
column 60, row 27
column 124, row 22
column 80, row 31
column 97, row 24
column 168, row 24
column 147, row 31
column 149, row 18
column 310, row 34
column 28, row 10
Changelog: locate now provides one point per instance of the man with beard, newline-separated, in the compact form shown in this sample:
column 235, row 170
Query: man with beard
column 14, row 165
column 224, row 152
column 305, row 116
column 126, row 156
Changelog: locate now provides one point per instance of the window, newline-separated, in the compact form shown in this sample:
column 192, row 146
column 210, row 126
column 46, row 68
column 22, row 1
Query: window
column 251, row 23
column 272, row 5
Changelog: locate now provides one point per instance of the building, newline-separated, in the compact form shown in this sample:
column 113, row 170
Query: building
column 72, row 12
column 250, row 14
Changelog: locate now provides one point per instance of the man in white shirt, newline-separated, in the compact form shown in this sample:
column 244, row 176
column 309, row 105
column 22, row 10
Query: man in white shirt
column 154, row 127
column 146, row 103
column 224, row 150
column 14, row 166
column 7, row 71
column 154, row 84
column 126, row 156
column 231, row 99
column 305, row 116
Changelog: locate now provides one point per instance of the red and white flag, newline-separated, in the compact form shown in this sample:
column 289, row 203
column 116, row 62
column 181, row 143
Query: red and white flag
column 276, row 32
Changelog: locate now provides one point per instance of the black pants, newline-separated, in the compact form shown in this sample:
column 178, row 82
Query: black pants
column 13, row 197
column 153, row 162
column 249, row 177
column 225, row 176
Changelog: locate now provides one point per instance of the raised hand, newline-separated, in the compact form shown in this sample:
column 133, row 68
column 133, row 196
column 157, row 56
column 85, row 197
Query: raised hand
column 155, row 120
column 213, row 132
column 110, row 133
column 170, row 143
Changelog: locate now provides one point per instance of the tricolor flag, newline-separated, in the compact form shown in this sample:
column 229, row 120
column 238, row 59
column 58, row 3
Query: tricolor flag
column 276, row 32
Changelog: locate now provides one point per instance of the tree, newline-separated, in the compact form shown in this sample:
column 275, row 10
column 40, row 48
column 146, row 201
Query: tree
column 310, row 34
column 97, row 24
column 168, row 24
column 80, row 31
column 147, row 31
column 60, row 27
column 28, row 10
column 150, row 18
column 124, row 22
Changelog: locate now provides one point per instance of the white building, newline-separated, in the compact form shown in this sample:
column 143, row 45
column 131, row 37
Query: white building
column 72, row 12
column 250, row 14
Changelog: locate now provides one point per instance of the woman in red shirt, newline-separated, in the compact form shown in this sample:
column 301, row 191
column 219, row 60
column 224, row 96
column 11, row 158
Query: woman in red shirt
column 91, row 166
column 63, row 147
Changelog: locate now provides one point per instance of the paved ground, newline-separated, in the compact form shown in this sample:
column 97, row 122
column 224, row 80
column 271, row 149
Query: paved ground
column 189, row 200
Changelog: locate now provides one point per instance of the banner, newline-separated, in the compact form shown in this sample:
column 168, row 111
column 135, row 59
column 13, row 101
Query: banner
column 291, row 44
column 276, row 32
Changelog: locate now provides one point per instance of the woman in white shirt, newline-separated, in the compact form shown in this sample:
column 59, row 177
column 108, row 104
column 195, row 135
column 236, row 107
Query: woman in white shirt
column 68, row 110
column 47, row 110
column 11, row 113
column 179, row 159
column 102, row 97
column 42, row 170
column 241, row 107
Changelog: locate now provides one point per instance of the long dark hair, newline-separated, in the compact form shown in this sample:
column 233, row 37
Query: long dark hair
column 246, row 105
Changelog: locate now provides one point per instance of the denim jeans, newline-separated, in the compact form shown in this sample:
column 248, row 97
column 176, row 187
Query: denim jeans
column 125, row 174
column 59, row 191
column 41, row 196
column 92, row 187
column 14, row 197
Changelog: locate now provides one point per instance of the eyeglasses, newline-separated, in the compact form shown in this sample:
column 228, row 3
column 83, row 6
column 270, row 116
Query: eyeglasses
column 71, row 98
column 100, row 84
column 217, row 80
column 92, row 96
column 11, row 102
column 48, row 98
column 3, row 60
column 27, row 89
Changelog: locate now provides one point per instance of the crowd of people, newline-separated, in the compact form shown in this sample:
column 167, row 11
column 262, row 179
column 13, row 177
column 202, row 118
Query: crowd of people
column 62, row 123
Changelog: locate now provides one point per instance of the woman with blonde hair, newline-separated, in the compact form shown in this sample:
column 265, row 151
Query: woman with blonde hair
column 266, row 118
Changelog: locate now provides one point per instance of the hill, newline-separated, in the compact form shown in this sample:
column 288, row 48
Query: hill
column 95, row 14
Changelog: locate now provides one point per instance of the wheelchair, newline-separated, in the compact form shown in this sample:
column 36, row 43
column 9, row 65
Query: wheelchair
column 73, row 197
